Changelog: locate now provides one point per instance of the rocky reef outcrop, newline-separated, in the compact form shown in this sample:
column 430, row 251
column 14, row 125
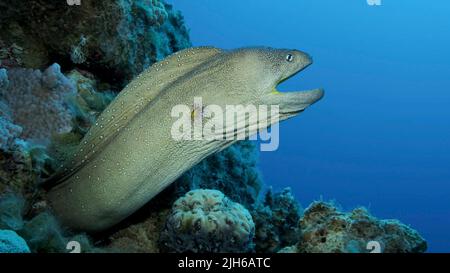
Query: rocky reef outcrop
column 325, row 229
column 116, row 39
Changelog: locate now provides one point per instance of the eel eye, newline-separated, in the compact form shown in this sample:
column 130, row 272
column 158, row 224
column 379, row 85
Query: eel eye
column 289, row 58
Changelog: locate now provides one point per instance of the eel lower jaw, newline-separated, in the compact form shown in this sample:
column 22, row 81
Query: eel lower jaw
column 296, row 102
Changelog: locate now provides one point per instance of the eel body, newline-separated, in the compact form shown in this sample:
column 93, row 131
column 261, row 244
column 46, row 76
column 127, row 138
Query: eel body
column 130, row 154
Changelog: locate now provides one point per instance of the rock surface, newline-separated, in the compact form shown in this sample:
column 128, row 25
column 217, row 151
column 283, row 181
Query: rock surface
column 325, row 229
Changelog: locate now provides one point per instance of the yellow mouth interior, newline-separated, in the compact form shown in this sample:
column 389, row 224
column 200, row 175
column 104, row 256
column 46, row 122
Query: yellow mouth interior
column 275, row 91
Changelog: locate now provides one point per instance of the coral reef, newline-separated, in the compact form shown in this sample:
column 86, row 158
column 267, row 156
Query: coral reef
column 4, row 82
column 325, row 229
column 10, row 55
column 19, row 168
column 11, row 212
column 118, row 39
column 37, row 101
column 233, row 171
column 35, row 106
column 41, row 232
column 142, row 237
column 276, row 220
column 91, row 98
column 8, row 130
column 16, row 172
column 10, row 242
column 207, row 221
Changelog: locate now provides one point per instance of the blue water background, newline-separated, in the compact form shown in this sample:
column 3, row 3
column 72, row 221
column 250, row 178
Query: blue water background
column 381, row 136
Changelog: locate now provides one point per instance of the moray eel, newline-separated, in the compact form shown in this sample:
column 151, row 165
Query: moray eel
column 129, row 156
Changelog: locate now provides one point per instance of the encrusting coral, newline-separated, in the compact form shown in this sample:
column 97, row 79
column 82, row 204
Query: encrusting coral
column 207, row 221
column 8, row 130
column 324, row 229
column 16, row 173
column 276, row 220
column 37, row 101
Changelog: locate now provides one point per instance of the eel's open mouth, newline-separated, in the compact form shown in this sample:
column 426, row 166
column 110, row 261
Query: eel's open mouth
column 293, row 102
